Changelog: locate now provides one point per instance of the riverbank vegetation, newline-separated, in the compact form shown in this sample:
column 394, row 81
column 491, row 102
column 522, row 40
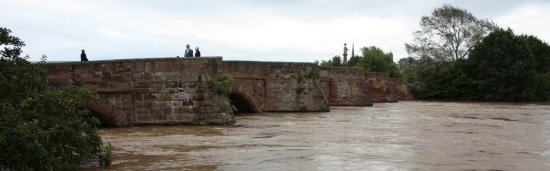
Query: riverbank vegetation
column 41, row 127
column 456, row 56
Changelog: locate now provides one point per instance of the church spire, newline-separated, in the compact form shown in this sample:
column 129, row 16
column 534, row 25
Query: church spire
column 352, row 50
column 345, row 62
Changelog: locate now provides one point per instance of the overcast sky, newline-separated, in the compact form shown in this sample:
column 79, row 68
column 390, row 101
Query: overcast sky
column 282, row 30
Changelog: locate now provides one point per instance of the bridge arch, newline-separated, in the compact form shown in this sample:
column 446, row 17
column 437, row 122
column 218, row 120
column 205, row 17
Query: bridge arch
column 107, row 114
column 242, row 103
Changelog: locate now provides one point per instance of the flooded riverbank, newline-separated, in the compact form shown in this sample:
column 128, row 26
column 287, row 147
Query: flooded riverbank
column 388, row 136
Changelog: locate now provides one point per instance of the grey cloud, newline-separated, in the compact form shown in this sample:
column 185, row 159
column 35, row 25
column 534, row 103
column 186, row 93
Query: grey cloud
column 57, row 28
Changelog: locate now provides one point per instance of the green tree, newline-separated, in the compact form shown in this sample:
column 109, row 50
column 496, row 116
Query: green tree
column 448, row 34
column 453, row 82
column 419, row 73
column 541, row 52
column 12, row 45
column 504, row 67
column 354, row 60
column 408, row 67
column 336, row 61
column 542, row 87
column 42, row 128
column 375, row 59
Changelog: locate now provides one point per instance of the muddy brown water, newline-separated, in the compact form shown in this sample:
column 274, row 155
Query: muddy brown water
column 388, row 136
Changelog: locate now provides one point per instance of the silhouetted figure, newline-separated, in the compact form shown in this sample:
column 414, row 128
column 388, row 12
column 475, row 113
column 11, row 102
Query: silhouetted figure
column 188, row 51
column 83, row 56
column 197, row 52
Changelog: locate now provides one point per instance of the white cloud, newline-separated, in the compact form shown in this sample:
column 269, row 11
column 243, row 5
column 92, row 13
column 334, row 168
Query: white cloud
column 530, row 19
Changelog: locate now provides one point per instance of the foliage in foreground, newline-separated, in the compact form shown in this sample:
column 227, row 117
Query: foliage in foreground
column 42, row 128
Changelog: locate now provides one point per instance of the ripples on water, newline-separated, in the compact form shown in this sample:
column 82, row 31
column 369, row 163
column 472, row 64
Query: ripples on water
column 388, row 136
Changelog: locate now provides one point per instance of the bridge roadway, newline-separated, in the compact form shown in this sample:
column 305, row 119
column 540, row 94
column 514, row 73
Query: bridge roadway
column 181, row 90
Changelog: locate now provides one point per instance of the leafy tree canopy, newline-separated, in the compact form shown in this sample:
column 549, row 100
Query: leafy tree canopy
column 42, row 128
column 373, row 59
column 336, row 61
column 505, row 66
column 448, row 34
column 11, row 45
column 502, row 67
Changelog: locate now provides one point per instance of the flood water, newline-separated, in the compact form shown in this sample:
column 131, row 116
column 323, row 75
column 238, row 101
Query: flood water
column 387, row 136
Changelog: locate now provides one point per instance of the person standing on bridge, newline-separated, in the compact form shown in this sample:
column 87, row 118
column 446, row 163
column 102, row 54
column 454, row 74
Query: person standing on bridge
column 197, row 52
column 188, row 51
column 83, row 57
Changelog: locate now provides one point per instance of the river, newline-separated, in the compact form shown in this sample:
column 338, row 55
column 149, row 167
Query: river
column 387, row 136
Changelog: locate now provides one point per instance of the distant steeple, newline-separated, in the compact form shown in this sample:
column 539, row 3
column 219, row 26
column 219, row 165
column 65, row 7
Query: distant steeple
column 345, row 62
column 352, row 50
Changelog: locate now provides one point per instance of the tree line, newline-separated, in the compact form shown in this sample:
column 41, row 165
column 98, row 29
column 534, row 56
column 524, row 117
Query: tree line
column 372, row 59
column 458, row 57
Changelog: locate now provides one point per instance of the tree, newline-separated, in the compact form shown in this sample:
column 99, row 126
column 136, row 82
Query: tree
column 12, row 45
column 375, row 59
column 505, row 67
column 407, row 66
column 336, row 61
column 453, row 82
column 419, row 73
column 42, row 128
column 353, row 60
column 542, row 87
column 448, row 34
column 541, row 53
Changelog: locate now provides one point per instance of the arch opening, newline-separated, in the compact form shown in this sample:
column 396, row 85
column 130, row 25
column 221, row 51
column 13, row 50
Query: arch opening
column 108, row 115
column 241, row 104
column 103, row 120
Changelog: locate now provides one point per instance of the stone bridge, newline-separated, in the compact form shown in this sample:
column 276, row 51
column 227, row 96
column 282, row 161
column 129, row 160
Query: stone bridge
column 181, row 90
column 275, row 86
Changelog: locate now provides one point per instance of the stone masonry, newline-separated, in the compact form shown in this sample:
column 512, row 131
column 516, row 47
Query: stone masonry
column 149, row 91
column 379, row 86
column 344, row 86
column 400, row 88
column 278, row 86
column 181, row 90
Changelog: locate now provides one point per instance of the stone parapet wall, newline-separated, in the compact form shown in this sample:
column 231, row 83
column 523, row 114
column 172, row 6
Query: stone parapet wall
column 344, row 86
column 400, row 88
column 150, row 91
column 278, row 86
column 379, row 86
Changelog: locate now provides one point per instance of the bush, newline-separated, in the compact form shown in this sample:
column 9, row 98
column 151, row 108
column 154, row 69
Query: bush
column 42, row 128
column 224, row 84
